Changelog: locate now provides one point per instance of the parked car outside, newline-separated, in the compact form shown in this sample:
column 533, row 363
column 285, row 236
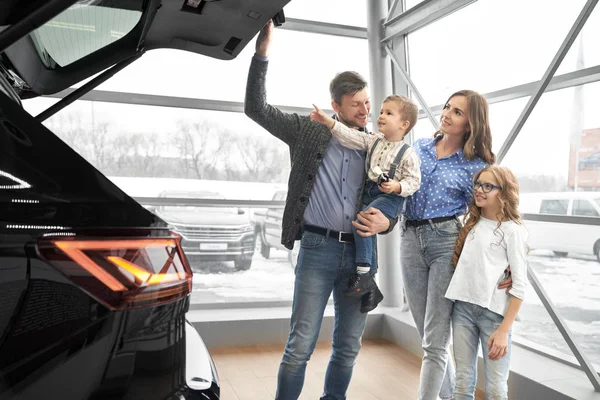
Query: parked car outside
column 564, row 237
column 591, row 161
column 267, row 230
column 210, row 233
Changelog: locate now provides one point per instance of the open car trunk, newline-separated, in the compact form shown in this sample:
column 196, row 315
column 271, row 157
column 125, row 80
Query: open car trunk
column 92, row 35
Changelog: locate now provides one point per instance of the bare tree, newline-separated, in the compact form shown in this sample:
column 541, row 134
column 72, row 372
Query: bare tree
column 123, row 150
column 146, row 148
column 226, row 159
column 91, row 142
column 254, row 155
column 100, row 147
column 195, row 143
column 262, row 159
column 70, row 129
column 204, row 151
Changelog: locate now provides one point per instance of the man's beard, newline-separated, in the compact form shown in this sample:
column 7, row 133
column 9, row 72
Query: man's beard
column 347, row 122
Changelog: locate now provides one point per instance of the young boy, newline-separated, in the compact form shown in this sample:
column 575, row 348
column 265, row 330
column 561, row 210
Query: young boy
column 393, row 171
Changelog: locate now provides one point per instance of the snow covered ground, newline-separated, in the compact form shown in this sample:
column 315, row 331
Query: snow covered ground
column 267, row 280
column 573, row 286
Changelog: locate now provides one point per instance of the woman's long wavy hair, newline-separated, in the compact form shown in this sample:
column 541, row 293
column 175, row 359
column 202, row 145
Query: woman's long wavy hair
column 509, row 201
column 478, row 142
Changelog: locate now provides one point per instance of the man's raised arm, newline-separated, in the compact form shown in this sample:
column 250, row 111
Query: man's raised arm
column 282, row 125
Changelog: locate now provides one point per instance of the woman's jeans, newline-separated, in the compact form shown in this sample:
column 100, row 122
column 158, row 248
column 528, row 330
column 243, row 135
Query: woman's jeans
column 426, row 254
column 473, row 325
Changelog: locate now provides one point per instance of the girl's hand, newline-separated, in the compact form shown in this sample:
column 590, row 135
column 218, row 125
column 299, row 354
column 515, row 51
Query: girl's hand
column 390, row 186
column 322, row 118
column 498, row 345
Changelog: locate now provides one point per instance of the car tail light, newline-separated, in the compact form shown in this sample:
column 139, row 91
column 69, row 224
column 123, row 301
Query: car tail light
column 125, row 272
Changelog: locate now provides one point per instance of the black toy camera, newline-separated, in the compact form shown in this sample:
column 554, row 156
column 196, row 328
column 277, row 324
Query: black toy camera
column 382, row 178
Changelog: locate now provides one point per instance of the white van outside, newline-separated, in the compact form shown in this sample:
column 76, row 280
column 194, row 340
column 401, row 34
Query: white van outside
column 575, row 235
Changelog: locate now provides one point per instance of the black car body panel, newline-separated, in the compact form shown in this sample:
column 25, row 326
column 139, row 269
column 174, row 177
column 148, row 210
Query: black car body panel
column 55, row 338
column 60, row 339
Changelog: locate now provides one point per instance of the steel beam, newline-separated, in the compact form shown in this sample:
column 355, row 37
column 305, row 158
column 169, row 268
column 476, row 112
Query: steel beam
column 564, row 330
column 575, row 78
column 421, row 15
column 324, row 28
column 413, row 88
column 392, row 10
column 171, row 101
column 545, row 81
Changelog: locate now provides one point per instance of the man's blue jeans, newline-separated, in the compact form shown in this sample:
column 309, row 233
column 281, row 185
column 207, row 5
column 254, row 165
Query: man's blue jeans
column 324, row 265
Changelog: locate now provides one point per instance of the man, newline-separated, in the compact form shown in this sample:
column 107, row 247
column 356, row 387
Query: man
column 323, row 190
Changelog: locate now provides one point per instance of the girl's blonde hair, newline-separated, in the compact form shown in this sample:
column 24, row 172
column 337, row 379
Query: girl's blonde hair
column 478, row 142
column 509, row 205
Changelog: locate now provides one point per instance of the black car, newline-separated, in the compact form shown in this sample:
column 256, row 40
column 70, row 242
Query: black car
column 210, row 233
column 94, row 288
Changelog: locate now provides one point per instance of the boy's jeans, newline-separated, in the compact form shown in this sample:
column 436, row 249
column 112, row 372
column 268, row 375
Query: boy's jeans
column 389, row 204
column 473, row 325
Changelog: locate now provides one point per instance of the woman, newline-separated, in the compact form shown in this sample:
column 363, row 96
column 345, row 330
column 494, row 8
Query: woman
column 449, row 160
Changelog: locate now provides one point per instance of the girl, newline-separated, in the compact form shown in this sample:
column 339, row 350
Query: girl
column 449, row 160
column 493, row 237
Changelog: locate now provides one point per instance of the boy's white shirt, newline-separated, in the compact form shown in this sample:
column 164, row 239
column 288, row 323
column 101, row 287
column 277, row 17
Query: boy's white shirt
column 487, row 252
column 408, row 172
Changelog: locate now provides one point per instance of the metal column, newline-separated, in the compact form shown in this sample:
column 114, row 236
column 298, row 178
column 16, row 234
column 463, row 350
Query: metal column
column 380, row 71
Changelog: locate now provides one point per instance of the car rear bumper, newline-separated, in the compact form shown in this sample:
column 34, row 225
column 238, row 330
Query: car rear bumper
column 201, row 375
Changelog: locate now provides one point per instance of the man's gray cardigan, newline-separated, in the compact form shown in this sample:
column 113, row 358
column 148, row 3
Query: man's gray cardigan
column 307, row 141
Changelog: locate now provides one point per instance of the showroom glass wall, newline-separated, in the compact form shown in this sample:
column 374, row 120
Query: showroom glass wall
column 556, row 156
column 178, row 149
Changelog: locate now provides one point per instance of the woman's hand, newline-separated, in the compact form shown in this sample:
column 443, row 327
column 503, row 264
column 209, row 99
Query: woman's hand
column 498, row 345
column 371, row 222
column 506, row 283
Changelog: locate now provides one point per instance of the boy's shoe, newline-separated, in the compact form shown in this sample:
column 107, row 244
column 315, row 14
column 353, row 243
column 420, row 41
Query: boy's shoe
column 360, row 284
column 370, row 300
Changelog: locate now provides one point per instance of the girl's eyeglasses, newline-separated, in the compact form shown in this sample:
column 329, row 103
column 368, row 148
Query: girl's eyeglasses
column 486, row 187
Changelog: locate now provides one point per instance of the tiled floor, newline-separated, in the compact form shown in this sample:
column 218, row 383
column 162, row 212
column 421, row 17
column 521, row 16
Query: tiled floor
column 383, row 371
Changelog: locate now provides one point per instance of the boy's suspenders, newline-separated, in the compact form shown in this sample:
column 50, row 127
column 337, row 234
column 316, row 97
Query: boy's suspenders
column 396, row 162
column 394, row 165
